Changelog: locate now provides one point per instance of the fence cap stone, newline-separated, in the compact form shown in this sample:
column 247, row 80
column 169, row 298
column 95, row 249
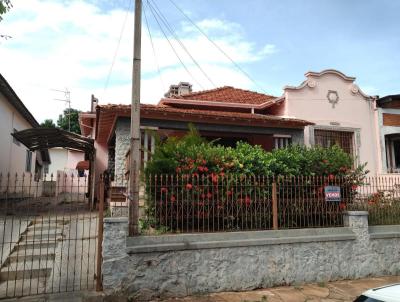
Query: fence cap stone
column 116, row 220
column 356, row 213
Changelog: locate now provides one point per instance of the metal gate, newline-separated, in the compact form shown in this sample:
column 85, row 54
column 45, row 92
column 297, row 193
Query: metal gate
column 48, row 235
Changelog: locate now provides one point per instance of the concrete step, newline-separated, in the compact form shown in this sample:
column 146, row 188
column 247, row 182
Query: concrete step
column 31, row 255
column 46, row 221
column 22, row 287
column 38, row 227
column 41, row 236
column 41, row 245
column 26, row 270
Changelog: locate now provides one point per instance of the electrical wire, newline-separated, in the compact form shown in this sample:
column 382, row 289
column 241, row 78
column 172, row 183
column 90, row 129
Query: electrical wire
column 216, row 45
column 154, row 51
column 172, row 47
column 117, row 47
column 172, row 30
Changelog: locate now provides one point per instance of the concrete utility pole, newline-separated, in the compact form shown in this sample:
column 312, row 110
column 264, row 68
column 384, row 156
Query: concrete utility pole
column 134, row 165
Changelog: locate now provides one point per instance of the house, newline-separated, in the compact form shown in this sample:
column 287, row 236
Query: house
column 67, row 161
column 227, row 114
column 340, row 111
column 14, row 117
column 388, row 125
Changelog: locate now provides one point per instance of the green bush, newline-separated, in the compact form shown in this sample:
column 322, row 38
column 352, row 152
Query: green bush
column 192, row 154
column 192, row 183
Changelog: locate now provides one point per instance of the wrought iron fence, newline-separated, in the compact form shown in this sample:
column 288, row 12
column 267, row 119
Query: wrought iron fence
column 380, row 196
column 48, row 234
column 214, row 203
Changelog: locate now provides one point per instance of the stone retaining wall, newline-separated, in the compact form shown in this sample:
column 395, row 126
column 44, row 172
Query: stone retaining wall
column 179, row 265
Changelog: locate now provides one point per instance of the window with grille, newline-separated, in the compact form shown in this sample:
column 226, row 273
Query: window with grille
column 329, row 138
column 282, row 141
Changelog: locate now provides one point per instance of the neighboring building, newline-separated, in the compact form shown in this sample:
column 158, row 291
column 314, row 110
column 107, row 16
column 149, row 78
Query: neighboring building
column 63, row 160
column 227, row 114
column 342, row 114
column 87, row 122
column 388, row 120
column 14, row 117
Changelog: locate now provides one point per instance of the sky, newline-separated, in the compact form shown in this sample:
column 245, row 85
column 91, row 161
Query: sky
column 86, row 47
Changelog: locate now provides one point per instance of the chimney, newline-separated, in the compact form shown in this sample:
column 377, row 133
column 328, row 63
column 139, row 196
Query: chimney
column 93, row 104
column 181, row 89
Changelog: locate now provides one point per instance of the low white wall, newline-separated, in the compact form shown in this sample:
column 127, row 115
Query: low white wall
column 178, row 265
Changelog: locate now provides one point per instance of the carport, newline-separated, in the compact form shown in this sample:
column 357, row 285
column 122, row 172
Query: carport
column 45, row 138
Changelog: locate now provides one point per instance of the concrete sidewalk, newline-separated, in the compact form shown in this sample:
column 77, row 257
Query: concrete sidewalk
column 338, row 291
column 329, row 292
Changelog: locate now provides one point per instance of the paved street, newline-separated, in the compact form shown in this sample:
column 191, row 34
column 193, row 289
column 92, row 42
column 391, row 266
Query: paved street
column 343, row 291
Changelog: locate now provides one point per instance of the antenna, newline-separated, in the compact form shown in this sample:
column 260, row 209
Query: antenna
column 67, row 101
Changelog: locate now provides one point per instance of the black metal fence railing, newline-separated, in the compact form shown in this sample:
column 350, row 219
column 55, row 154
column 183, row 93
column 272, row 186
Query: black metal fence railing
column 218, row 203
column 48, row 234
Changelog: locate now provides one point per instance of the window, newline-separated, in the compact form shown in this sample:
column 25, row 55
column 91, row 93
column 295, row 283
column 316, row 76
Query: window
column 28, row 165
column 282, row 141
column 329, row 138
column 15, row 141
column 392, row 144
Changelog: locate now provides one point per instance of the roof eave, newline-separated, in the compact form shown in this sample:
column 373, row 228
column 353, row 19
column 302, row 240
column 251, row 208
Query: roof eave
column 15, row 101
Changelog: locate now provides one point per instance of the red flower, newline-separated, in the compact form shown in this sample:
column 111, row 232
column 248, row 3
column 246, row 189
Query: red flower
column 189, row 186
column 203, row 196
column 173, row 198
column 342, row 206
column 209, row 195
column 222, row 174
column 331, row 177
column 178, row 170
column 214, row 178
column 229, row 193
column 247, row 200
column 205, row 169
column 164, row 190
column 200, row 168
column 354, row 187
column 204, row 162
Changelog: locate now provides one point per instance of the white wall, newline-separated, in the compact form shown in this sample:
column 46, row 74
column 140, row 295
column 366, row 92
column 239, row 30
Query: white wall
column 12, row 156
column 354, row 110
column 64, row 160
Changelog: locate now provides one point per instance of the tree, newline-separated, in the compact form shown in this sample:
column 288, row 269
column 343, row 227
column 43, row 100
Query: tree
column 5, row 6
column 48, row 123
column 63, row 120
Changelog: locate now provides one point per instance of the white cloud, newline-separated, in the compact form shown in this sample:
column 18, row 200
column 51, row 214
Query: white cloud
column 70, row 45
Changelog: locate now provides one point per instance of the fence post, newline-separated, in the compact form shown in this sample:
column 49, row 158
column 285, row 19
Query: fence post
column 274, row 206
column 99, row 285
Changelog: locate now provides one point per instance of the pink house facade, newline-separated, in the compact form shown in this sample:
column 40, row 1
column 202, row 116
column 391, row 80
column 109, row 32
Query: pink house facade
column 341, row 112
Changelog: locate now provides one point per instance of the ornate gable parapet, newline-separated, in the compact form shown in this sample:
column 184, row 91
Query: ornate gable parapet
column 312, row 82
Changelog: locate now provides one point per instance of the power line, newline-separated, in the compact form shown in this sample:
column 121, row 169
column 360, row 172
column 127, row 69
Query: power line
column 216, row 45
column 173, row 32
column 172, row 47
column 117, row 48
column 154, row 51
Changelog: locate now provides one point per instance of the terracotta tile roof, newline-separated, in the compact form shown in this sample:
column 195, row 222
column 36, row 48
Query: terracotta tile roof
column 108, row 114
column 228, row 94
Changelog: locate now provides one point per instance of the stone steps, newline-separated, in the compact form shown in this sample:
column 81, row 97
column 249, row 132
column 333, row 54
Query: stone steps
column 21, row 287
column 30, row 255
column 26, row 270
column 40, row 245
